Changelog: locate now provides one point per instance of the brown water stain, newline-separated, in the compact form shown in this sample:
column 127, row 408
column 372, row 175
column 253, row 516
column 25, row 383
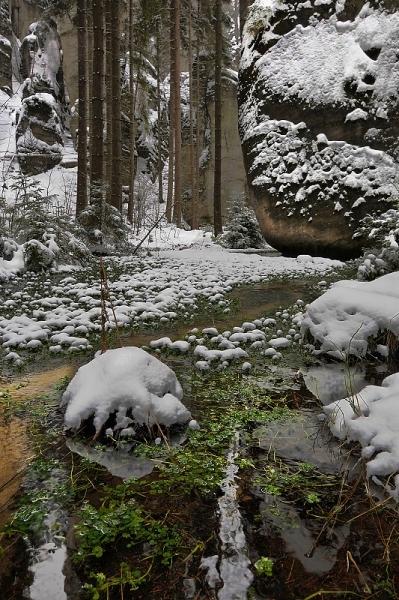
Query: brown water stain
column 14, row 457
column 32, row 385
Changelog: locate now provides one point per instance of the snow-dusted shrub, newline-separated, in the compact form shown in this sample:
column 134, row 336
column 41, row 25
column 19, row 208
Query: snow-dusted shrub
column 32, row 220
column 242, row 228
column 384, row 231
column 37, row 256
column 104, row 226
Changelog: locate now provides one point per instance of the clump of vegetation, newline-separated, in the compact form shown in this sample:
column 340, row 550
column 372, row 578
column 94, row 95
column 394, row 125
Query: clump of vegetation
column 264, row 566
column 301, row 482
column 242, row 228
column 47, row 236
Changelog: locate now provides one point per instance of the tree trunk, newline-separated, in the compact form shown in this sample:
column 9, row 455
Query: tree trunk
column 116, row 183
column 172, row 80
column 217, row 191
column 160, row 165
column 177, row 116
column 82, row 195
column 132, row 126
column 97, row 103
column 198, row 130
column 109, row 101
column 194, row 187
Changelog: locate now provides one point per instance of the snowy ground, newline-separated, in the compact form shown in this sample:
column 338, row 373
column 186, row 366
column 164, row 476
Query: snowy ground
column 63, row 312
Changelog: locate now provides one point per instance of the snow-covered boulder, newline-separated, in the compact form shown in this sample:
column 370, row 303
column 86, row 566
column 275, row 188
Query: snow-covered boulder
column 371, row 418
column 39, row 134
column 318, row 102
column 343, row 319
column 130, row 383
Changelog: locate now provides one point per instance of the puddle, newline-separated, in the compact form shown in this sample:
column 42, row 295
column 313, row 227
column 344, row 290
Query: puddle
column 304, row 439
column 254, row 302
column 120, row 463
column 300, row 539
column 334, row 381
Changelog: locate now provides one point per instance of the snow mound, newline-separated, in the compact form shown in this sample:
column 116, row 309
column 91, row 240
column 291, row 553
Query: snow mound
column 344, row 318
column 129, row 382
column 372, row 419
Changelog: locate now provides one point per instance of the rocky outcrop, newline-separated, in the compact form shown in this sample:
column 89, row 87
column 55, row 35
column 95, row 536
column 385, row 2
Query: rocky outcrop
column 39, row 132
column 233, row 170
column 319, row 119
column 5, row 47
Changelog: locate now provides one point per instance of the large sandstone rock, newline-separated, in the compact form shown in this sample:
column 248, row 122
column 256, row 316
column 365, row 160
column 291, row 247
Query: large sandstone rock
column 319, row 119
column 233, row 170
column 5, row 47
column 39, row 132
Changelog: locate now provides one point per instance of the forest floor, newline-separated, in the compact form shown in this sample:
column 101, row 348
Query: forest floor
column 261, row 502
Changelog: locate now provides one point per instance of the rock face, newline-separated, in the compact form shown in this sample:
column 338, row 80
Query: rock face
column 5, row 47
column 319, row 119
column 39, row 132
column 233, row 170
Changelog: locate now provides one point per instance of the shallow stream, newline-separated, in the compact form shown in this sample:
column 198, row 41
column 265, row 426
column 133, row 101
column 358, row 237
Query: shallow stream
column 302, row 440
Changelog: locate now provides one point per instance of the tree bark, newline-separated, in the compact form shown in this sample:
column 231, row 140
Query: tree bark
column 177, row 115
column 217, row 191
column 108, row 101
column 194, row 186
column 172, row 80
column 116, row 183
column 97, row 103
column 82, row 192
column 132, row 126
column 198, row 129
column 160, row 165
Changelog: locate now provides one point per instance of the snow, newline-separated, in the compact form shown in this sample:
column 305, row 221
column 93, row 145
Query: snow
column 313, row 66
column 371, row 418
column 122, row 381
column 313, row 63
column 344, row 319
column 170, row 283
column 281, row 342
column 9, row 268
column 356, row 115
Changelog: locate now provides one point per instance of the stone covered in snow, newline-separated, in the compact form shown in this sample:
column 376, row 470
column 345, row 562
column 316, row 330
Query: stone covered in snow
column 344, row 318
column 318, row 111
column 371, row 417
column 137, row 387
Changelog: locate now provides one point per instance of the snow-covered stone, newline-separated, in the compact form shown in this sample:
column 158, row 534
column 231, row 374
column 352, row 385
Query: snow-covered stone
column 122, row 381
column 371, row 418
column 350, row 313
